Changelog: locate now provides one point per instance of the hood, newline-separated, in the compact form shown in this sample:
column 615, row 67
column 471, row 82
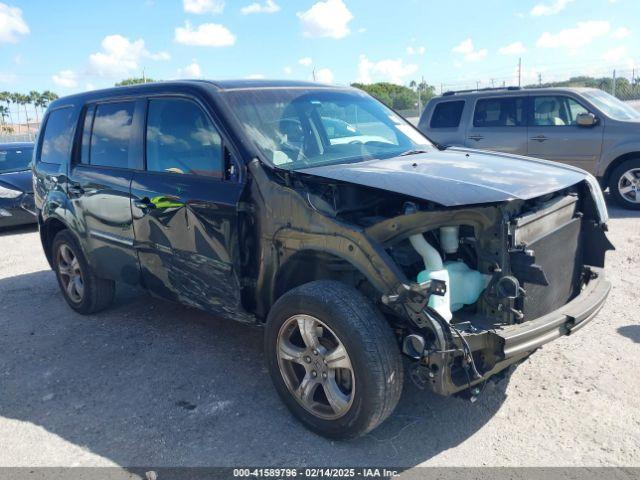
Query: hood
column 457, row 176
column 18, row 180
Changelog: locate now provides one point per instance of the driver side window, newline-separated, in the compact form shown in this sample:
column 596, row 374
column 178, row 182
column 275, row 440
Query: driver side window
column 181, row 139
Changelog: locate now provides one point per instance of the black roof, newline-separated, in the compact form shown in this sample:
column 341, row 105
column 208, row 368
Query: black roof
column 218, row 85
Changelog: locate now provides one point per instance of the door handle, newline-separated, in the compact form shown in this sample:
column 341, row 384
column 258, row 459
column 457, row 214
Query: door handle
column 76, row 190
column 477, row 138
column 540, row 138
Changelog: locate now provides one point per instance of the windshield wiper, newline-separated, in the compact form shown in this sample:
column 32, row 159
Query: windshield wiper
column 412, row 152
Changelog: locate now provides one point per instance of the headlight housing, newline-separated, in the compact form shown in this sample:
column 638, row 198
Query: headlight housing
column 6, row 192
column 598, row 198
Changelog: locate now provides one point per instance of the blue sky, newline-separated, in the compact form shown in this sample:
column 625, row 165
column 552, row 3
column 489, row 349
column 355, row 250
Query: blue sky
column 68, row 46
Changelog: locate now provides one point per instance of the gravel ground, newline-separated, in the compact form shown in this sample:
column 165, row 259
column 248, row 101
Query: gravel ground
column 152, row 383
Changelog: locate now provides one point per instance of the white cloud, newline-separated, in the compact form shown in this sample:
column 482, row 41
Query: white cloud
column 468, row 51
column 324, row 75
column 192, row 70
column 287, row 70
column 416, row 50
column 200, row 7
column 269, row 6
column 255, row 76
column 205, row 35
column 65, row 79
column 618, row 57
column 12, row 25
column 329, row 18
column 120, row 56
column 305, row 61
column 389, row 70
column 621, row 32
column 549, row 8
column 515, row 48
column 574, row 38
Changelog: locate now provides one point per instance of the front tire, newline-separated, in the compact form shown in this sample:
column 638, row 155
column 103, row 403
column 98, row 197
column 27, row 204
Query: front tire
column 333, row 359
column 82, row 289
column 624, row 184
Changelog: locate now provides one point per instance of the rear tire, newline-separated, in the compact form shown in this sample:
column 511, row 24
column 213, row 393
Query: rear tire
column 82, row 289
column 351, row 392
column 624, row 184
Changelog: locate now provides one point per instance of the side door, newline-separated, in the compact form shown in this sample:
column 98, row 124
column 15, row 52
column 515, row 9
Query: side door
column 500, row 124
column 555, row 135
column 185, row 208
column 99, row 186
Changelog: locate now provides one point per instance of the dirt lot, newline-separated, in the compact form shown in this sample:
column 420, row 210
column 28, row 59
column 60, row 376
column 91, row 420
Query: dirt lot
column 152, row 383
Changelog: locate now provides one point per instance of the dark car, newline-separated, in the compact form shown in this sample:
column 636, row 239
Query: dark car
column 350, row 253
column 16, row 185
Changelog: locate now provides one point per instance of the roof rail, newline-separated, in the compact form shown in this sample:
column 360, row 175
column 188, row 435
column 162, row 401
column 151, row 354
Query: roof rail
column 487, row 89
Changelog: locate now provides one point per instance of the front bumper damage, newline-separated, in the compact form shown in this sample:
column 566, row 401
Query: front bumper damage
column 446, row 372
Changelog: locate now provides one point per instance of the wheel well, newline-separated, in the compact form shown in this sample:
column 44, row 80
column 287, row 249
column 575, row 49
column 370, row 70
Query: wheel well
column 613, row 165
column 48, row 232
column 309, row 265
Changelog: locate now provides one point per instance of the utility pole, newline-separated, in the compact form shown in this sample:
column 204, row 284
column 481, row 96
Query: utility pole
column 539, row 79
column 477, row 85
column 519, row 71
column 613, row 84
column 314, row 74
column 144, row 76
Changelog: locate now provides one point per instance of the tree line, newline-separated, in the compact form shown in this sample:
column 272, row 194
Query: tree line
column 10, row 118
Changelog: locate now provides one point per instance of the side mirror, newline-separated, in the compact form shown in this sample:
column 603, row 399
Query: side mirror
column 586, row 119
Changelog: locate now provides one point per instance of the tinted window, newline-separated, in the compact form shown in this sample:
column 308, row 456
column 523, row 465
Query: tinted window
column 57, row 137
column 556, row 111
column 111, row 134
column 447, row 114
column 182, row 139
column 15, row 159
column 500, row 112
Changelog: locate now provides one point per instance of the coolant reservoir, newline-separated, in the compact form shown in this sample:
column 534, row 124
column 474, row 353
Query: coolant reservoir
column 464, row 287
column 465, row 284
column 440, row 303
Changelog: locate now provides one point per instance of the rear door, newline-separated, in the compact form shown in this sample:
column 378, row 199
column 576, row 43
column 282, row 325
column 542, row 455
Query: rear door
column 444, row 125
column 555, row 135
column 500, row 124
column 99, row 186
column 185, row 208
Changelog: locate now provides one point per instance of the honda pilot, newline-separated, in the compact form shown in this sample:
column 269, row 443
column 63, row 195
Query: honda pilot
column 320, row 214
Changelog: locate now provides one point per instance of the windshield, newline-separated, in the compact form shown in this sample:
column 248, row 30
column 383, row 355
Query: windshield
column 15, row 159
column 300, row 128
column 611, row 106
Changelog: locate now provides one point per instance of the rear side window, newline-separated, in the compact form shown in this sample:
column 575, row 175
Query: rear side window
column 15, row 159
column 447, row 114
column 181, row 139
column 111, row 134
column 500, row 112
column 57, row 137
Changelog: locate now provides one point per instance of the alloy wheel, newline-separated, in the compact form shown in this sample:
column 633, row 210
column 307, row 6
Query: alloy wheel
column 70, row 273
column 316, row 367
column 629, row 185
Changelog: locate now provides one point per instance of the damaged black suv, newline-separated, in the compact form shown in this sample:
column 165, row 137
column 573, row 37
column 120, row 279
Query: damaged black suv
column 324, row 216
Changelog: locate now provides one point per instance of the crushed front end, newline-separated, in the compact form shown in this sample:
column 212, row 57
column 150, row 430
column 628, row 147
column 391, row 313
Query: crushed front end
column 494, row 283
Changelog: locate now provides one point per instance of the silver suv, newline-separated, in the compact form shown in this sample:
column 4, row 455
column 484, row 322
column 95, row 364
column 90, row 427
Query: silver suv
column 583, row 127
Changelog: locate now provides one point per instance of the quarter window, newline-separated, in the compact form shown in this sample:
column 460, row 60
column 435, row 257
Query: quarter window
column 181, row 139
column 556, row 111
column 57, row 137
column 447, row 114
column 500, row 112
column 111, row 134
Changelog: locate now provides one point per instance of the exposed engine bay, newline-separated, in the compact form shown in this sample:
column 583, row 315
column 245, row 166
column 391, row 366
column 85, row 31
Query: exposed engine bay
column 456, row 283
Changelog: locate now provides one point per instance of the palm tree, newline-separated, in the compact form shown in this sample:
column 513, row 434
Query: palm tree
column 14, row 98
column 34, row 99
column 3, row 114
column 6, row 98
column 24, row 101
column 47, row 97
